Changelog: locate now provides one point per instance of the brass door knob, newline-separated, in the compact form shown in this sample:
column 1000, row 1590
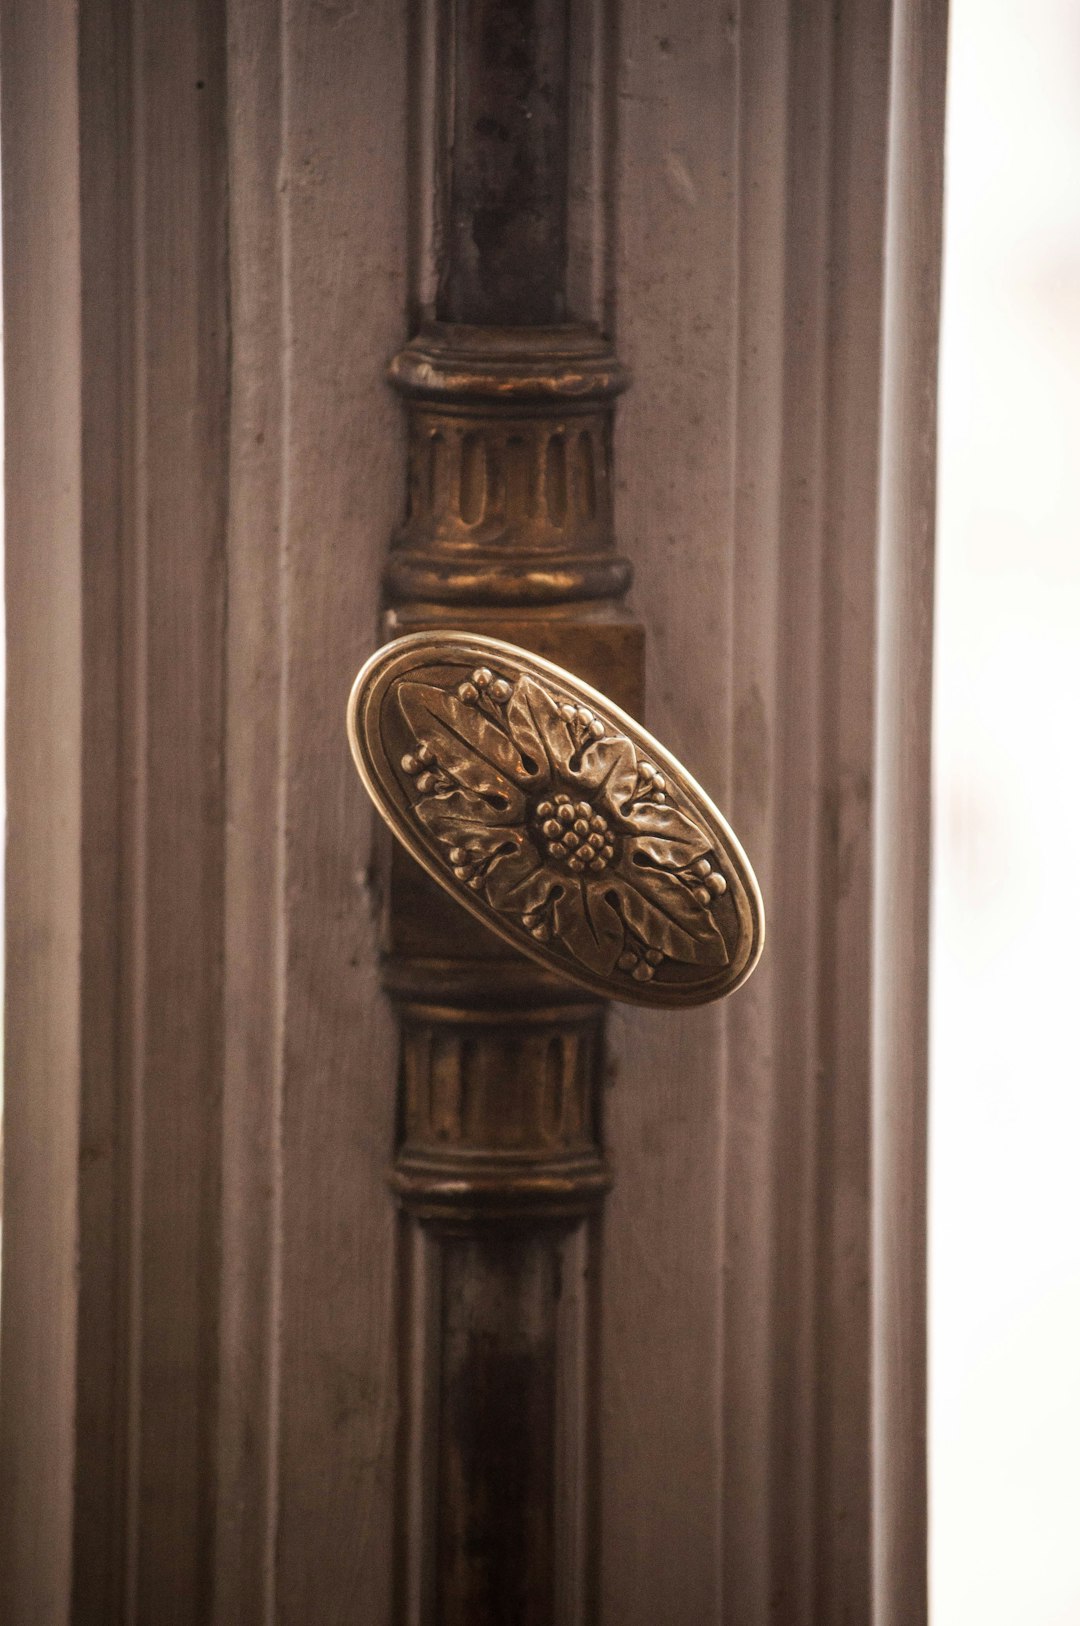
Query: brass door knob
column 554, row 817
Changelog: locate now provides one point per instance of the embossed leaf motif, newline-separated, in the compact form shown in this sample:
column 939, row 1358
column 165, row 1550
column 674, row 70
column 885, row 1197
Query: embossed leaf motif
column 552, row 817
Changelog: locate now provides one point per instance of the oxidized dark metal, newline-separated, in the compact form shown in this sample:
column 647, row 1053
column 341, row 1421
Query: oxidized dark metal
column 508, row 531
column 500, row 1113
column 498, row 1398
column 505, row 193
column 556, row 819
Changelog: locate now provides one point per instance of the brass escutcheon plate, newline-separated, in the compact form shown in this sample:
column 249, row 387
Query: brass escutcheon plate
column 555, row 818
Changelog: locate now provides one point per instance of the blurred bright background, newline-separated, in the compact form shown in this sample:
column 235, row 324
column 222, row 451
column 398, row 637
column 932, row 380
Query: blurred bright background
column 1005, row 1079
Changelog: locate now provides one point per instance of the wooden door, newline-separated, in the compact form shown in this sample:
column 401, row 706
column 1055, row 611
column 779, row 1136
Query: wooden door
column 218, row 228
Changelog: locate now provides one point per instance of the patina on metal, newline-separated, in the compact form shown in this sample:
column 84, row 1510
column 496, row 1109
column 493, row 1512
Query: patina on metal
column 504, row 179
column 510, row 475
column 590, row 865
column 555, row 819
column 508, row 532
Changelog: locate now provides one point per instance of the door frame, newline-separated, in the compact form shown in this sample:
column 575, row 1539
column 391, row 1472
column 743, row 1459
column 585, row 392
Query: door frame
column 201, row 287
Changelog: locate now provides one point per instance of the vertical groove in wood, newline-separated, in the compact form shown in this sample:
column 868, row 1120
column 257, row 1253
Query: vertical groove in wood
column 104, row 1199
column 755, row 1089
column 47, row 733
column 133, row 746
column 342, row 182
column 852, row 273
column 176, row 734
column 799, row 1531
column 255, row 903
column 902, row 794
column 794, row 393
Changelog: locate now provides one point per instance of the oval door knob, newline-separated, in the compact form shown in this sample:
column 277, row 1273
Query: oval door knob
column 554, row 817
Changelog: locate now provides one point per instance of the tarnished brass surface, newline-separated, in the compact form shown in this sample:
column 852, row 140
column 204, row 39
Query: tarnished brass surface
column 555, row 819
column 508, row 532
column 499, row 1114
column 509, row 494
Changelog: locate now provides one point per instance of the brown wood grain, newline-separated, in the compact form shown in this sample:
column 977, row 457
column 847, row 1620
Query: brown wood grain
column 42, row 1076
column 343, row 199
column 172, row 722
column 248, row 1399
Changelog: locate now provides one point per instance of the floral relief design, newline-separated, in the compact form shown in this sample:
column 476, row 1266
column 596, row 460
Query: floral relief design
column 554, row 819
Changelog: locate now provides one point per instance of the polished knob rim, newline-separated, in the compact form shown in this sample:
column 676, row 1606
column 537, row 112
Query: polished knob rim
column 555, row 818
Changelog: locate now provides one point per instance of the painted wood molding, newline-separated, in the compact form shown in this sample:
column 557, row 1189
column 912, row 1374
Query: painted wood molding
column 199, row 1391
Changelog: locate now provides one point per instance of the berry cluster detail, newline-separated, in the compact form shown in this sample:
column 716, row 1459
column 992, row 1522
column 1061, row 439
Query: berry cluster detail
column 651, row 785
column 706, row 883
column 422, row 766
column 575, row 834
column 484, row 685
